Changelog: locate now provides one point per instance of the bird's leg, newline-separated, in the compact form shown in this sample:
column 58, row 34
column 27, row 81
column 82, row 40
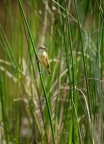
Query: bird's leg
column 41, row 72
column 37, row 61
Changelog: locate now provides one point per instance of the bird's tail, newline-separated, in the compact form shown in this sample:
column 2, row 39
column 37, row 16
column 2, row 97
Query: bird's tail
column 48, row 71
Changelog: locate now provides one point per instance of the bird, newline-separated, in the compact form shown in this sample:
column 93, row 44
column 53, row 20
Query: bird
column 43, row 58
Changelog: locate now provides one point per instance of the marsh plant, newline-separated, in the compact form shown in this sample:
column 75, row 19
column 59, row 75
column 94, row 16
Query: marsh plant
column 68, row 106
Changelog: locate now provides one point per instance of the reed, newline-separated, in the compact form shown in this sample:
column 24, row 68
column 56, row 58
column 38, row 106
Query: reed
column 66, row 107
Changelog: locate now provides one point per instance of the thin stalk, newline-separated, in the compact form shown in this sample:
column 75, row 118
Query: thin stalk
column 85, row 71
column 30, row 56
column 70, row 83
column 7, row 48
column 3, row 109
column 74, row 98
column 32, row 42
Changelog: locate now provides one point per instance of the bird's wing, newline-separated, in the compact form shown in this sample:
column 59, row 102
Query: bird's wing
column 47, row 60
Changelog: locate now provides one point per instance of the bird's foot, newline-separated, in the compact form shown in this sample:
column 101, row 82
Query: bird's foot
column 37, row 61
column 41, row 72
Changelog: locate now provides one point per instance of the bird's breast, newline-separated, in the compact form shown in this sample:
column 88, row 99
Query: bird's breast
column 42, row 55
column 42, row 58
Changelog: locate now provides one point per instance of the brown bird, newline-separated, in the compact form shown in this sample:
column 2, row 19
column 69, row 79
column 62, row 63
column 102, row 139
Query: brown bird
column 43, row 58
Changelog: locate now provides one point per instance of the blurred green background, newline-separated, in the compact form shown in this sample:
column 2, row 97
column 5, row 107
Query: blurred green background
column 67, row 107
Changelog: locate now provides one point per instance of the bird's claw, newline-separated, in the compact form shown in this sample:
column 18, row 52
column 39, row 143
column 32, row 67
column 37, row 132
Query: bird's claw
column 37, row 61
column 40, row 72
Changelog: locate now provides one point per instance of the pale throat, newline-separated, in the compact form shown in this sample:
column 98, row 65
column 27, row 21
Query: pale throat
column 44, row 53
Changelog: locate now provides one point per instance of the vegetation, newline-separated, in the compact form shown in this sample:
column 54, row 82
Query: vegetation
column 67, row 107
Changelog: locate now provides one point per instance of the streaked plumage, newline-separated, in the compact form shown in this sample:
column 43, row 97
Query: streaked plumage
column 43, row 58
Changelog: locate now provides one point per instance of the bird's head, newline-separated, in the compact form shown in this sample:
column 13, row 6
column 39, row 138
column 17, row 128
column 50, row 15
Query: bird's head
column 42, row 48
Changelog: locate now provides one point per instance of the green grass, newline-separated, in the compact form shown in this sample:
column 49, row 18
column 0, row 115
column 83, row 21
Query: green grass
column 66, row 107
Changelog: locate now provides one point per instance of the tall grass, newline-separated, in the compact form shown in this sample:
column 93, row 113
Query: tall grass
column 67, row 107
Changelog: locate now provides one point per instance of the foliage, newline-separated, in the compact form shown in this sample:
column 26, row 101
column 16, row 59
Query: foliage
column 66, row 107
